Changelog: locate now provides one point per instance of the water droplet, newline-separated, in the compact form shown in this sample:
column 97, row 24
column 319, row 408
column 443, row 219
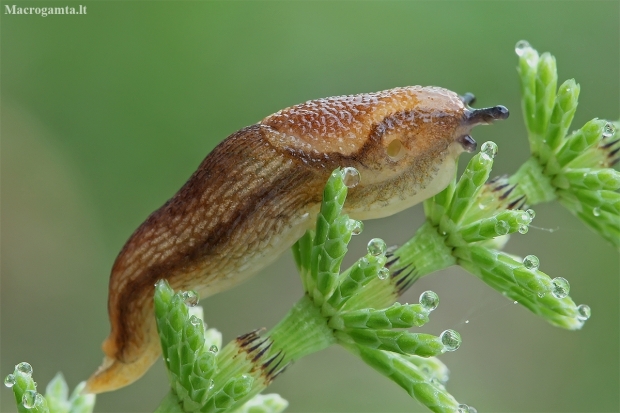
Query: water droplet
column 583, row 313
column 356, row 227
column 38, row 400
column 383, row 273
column 541, row 294
column 608, row 130
column 502, row 227
column 531, row 213
column 395, row 150
column 376, row 247
column 531, row 262
column 462, row 408
column 29, row 399
column 472, row 409
column 190, row 298
column 350, row 177
column 523, row 229
column 521, row 46
column 195, row 320
column 515, row 302
column 9, row 380
column 451, row 340
column 561, row 287
column 524, row 218
column 429, row 300
column 466, row 321
column 213, row 349
column 211, row 384
column 596, row 212
column 24, row 368
column 363, row 262
column 489, row 148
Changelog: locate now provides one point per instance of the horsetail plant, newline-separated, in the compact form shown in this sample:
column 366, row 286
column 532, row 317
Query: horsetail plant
column 467, row 225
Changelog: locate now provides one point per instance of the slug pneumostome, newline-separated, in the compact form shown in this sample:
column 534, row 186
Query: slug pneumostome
column 260, row 189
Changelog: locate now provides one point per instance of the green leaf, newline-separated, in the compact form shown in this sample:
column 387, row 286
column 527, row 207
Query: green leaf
column 402, row 342
column 528, row 286
column 396, row 316
column 410, row 377
column 264, row 403
column 468, row 186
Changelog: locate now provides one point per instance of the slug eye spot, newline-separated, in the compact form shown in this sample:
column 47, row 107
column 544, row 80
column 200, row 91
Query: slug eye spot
column 395, row 150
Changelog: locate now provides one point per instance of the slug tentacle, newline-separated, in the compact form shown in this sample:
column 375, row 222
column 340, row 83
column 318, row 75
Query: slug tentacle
column 259, row 190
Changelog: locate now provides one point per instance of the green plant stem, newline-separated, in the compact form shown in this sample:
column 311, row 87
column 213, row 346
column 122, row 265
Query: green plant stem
column 170, row 404
column 302, row 331
column 533, row 183
column 423, row 254
column 426, row 251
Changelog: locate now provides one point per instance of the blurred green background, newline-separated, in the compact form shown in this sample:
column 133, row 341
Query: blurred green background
column 105, row 115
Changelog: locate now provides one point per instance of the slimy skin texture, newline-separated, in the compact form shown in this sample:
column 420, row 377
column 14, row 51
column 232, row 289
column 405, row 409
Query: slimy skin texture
column 260, row 189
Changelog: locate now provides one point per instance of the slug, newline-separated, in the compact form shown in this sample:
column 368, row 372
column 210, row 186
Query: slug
column 260, row 189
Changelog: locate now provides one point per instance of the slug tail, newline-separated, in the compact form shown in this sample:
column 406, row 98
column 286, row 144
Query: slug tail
column 114, row 374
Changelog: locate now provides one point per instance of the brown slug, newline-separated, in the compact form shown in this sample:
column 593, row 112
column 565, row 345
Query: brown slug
column 260, row 189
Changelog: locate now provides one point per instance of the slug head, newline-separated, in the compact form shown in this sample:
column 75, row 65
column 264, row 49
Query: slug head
column 404, row 141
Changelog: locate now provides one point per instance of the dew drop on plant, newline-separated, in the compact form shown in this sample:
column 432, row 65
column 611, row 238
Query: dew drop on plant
column 521, row 46
column 9, row 381
column 472, row 409
column 531, row 213
column 195, row 320
column 484, row 159
column 561, row 287
column 583, row 313
column 350, row 177
column 190, row 298
column 24, row 368
column 376, row 247
column 211, row 384
column 608, row 130
column 531, row 262
column 596, row 212
column 356, row 227
column 463, row 408
column 383, row 273
column 524, row 218
column 502, row 227
column 523, row 229
column 451, row 340
column 213, row 349
column 363, row 263
column 429, row 300
column 489, row 148
column 29, row 399
column 541, row 294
